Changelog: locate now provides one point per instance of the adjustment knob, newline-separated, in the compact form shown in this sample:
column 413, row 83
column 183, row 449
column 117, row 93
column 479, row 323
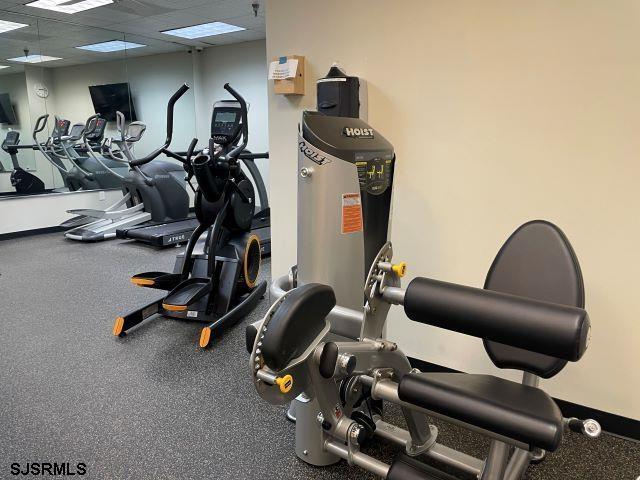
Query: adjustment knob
column 399, row 269
column 285, row 383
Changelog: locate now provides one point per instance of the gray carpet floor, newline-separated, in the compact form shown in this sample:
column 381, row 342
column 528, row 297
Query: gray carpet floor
column 153, row 405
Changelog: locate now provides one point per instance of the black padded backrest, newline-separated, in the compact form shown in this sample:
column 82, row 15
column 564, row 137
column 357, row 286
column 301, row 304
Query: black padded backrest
column 537, row 261
column 296, row 323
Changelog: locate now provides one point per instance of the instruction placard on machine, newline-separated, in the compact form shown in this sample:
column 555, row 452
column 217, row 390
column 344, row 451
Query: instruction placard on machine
column 351, row 213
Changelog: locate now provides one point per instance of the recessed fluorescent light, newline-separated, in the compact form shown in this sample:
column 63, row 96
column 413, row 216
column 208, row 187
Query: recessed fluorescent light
column 204, row 30
column 111, row 46
column 33, row 59
column 68, row 6
column 6, row 26
column 4, row 66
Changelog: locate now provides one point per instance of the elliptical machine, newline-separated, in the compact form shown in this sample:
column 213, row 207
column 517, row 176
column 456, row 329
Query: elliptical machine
column 129, row 210
column 220, row 286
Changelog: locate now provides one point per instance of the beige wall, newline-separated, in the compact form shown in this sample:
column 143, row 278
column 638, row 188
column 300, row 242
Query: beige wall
column 500, row 112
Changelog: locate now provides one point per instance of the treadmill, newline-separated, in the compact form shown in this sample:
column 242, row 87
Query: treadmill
column 226, row 115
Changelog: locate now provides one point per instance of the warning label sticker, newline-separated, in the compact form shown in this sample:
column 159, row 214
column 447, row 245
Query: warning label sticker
column 351, row 213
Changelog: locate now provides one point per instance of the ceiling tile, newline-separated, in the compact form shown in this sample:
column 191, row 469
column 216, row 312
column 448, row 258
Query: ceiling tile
column 139, row 20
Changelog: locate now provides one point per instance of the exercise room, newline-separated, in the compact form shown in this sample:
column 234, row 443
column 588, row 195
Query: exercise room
column 338, row 239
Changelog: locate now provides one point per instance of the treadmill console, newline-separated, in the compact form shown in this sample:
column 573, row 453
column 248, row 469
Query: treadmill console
column 97, row 134
column 226, row 122
column 61, row 128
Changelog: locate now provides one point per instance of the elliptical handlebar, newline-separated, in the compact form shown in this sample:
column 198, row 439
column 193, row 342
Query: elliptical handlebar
column 120, row 123
column 91, row 125
column 191, row 149
column 41, row 124
column 253, row 156
column 170, row 109
column 245, row 125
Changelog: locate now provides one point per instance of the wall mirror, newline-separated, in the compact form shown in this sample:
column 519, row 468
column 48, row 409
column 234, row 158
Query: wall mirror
column 20, row 170
column 81, row 88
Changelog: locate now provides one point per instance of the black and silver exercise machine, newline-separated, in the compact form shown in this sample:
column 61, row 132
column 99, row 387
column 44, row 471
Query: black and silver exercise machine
column 530, row 316
column 344, row 184
column 129, row 210
column 220, row 286
column 78, row 169
column 178, row 228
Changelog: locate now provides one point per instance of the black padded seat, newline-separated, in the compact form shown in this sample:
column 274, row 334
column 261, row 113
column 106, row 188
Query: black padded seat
column 520, row 412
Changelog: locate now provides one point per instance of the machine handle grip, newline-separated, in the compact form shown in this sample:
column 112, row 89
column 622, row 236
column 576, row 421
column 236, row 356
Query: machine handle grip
column 252, row 156
column 561, row 331
column 41, row 123
column 91, row 125
column 170, row 109
column 191, row 149
column 120, row 123
column 245, row 125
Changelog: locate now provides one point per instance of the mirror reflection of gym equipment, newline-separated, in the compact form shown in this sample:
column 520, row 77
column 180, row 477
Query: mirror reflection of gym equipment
column 314, row 240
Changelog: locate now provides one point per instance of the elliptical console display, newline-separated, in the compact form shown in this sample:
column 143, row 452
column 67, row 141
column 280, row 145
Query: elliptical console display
column 225, row 122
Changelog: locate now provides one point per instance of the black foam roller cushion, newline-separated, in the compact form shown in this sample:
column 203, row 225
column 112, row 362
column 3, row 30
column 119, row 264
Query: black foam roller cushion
column 552, row 329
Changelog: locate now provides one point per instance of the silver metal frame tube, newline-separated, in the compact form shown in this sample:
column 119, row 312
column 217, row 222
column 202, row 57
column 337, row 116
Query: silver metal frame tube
column 517, row 465
column 393, row 295
column 361, row 459
column 442, row 453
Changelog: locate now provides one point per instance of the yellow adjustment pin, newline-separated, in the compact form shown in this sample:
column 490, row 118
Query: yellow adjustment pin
column 285, row 383
column 399, row 269
column 142, row 282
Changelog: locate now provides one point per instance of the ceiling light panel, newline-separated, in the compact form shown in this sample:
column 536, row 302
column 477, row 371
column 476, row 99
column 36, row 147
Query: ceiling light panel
column 33, row 59
column 111, row 46
column 4, row 66
column 6, row 26
column 69, row 6
column 204, row 30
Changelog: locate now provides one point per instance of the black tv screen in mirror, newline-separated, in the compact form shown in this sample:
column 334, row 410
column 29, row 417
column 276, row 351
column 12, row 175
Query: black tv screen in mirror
column 112, row 98
column 7, row 114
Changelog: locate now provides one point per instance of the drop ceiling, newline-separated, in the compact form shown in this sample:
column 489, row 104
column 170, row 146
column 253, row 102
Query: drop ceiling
column 141, row 21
